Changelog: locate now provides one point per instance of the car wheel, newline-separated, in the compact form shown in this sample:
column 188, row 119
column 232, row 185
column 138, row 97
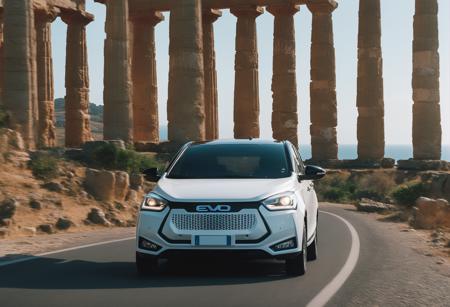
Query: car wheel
column 296, row 266
column 146, row 264
column 312, row 248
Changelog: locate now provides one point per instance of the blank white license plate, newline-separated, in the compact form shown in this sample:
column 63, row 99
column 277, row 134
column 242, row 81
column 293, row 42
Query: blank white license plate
column 212, row 240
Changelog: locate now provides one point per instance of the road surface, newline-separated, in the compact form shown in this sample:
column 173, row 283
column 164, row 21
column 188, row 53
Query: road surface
column 356, row 266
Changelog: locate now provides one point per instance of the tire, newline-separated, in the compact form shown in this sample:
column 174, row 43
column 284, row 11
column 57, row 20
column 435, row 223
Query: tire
column 296, row 266
column 312, row 248
column 311, row 253
column 146, row 264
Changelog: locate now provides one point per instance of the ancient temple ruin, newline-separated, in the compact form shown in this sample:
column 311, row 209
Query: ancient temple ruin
column 130, row 83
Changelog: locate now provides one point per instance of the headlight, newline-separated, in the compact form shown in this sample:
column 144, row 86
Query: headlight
column 153, row 202
column 283, row 201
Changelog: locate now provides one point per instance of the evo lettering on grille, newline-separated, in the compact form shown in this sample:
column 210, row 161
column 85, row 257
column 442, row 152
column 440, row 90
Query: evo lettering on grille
column 209, row 208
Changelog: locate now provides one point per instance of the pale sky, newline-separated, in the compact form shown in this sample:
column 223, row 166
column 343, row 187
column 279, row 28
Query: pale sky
column 397, row 26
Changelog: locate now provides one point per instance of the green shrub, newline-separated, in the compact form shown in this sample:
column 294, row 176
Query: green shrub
column 44, row 166
column 3, row 118
column 408, row 193
column 110, row 157
column 335, row 194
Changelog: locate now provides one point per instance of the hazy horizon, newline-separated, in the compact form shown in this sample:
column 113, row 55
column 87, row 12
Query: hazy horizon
column 397, row 18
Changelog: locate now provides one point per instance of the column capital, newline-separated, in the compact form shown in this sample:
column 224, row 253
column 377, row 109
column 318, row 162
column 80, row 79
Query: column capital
column 211, row 15
column 322, row 6
column 249, row 10
column 278, row 10
column 78, row 17
column 151, row 17
column 45, row 16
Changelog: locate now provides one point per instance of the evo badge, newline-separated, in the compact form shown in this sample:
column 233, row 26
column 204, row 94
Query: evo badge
column 212, row 208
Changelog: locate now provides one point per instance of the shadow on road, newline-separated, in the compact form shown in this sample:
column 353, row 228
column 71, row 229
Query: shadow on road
column 53, row 273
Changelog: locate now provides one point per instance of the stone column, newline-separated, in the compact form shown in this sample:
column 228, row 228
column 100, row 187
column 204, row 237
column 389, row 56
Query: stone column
column 46, row 128
column 19, row 78
column 143, row 73
column 186, row 101
column 1, row 57
column 370, row 100
column 118, row 110
column 284, row 80
column 209, row 55
column 323, row 82
column 427, row 132
column 246, row 86
column 77, row 127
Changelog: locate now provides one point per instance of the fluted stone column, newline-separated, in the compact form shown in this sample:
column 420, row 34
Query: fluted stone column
column 1, row 57
column 143, row 73
column 246, row 86
column 284, row 80
column 118, row 110
column 323, row 82
column 77, row 120
column 209, row 55
column 19, row 92
column 46, row 128
column 186, row 101
column 370, row 99
column 427, row 132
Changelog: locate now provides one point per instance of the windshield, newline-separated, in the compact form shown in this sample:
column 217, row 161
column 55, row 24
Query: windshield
column 259, row 161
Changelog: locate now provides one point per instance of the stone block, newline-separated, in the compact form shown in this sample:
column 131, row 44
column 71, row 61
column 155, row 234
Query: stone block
column 122, row 184
column 430, row 213
column 100, row 184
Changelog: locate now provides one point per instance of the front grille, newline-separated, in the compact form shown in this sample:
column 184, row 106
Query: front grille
column 214, row 221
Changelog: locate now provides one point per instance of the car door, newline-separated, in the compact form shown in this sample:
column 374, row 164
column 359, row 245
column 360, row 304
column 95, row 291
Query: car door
column 308, row 194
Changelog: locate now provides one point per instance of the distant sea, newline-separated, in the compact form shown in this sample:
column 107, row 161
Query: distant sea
column 397, row 152
column 350, row 151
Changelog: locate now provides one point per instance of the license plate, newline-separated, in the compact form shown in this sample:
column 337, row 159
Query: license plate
column 212, row 240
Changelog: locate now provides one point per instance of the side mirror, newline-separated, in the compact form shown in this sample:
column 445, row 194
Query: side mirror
column 312, row 173
column 151, row 174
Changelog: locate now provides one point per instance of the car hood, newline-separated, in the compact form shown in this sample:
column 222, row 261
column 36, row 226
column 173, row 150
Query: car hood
column 237, row 190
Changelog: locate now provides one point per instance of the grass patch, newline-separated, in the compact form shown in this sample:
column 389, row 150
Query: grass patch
column 107, row 156
column 408, row 193
column 44, row 166
column 3, row 118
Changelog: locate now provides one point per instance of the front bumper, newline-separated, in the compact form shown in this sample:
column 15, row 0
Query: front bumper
column 250, row 230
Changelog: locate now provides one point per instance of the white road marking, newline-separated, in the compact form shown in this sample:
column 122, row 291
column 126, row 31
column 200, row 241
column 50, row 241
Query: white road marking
column 65, row 261
column 5, row 263
column 338, row 281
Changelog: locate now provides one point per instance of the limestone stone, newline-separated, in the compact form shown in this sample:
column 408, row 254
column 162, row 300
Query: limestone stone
column 136, row 181
column 97, row 216
column 284, row 82
column 430, row 213
column 246, row 84
column 427, row 131
column 118, row 110
column 46, row 128
column 370, row 99
column 77, row 120
column 186, row 100
column 209, row 63
column 145, row 86
column 100, row 184
column 19, row 68
column 323, row 82
column 122, row 183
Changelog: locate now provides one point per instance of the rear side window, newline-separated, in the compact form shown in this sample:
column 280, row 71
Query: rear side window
column 258, row 161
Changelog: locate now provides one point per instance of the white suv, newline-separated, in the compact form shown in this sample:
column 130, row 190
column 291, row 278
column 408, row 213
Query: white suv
column 250, row 198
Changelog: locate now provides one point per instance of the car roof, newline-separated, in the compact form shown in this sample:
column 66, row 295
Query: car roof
column 238, row 142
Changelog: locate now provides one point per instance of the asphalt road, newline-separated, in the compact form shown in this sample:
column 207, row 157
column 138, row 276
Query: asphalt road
column 104, row 275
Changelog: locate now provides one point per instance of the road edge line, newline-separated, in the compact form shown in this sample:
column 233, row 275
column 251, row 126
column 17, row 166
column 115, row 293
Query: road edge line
column 34, row 257
column 322, row 298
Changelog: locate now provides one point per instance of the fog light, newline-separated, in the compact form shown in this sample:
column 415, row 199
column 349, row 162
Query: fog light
column 284, row 245
column 148, row 245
